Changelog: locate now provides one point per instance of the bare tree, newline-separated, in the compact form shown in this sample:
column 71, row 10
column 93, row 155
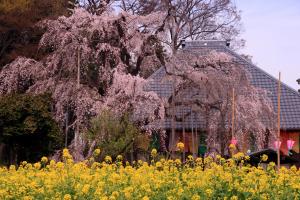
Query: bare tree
column 191, row 19
column 95, row 6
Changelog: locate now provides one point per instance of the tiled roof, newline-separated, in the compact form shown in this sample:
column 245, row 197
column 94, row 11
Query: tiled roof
column 290, row 100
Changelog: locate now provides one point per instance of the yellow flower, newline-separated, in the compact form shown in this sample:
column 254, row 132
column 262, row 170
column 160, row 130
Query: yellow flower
column 115, row 194
column 44, row 159
column 153, row 153
column 145, row 198
column 180, row 146
column 158, row 165
column 23, row 163
column 293, row 169
column 264, row 158
column 234, row 198
column 238, row 156
column 119, row 157
column 67, row 197
column 27, row 198
column 52, row 162
column 60, row 165
column 12, row 168
column 127, row 192
column 108, row 159
column 232, row 147
column 178, row 162
column 165, row 178
column 190, row 157
column 195, row 197
column 208, row 192
column 85, row 188
column 66, row 154
column 97, row 152
column 37, row 165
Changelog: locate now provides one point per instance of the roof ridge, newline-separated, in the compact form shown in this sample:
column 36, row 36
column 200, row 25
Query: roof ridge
column 260, row 69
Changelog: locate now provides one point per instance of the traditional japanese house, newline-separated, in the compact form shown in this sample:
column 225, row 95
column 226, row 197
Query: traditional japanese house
column 192, row 127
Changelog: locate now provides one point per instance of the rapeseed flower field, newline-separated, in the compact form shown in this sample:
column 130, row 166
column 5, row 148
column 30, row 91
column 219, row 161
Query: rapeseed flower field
column 208, row 178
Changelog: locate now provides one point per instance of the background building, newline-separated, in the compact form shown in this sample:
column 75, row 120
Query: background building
column 194, row 125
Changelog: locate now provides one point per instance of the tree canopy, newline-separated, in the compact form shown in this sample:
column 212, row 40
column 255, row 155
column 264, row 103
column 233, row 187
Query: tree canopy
column 27, row 128
column 18, row 34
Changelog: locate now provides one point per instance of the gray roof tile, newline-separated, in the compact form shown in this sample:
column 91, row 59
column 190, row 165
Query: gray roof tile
column 290, row 101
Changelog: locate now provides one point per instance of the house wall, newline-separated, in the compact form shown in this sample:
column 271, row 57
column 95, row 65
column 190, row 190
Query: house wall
column 188, row 141
column 244, row 145
column 286, row 135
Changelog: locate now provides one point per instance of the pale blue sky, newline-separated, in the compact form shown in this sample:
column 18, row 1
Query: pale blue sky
column 272, row 34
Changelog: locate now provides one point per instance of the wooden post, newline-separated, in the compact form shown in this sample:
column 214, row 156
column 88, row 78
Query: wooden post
column 193, row 135
column 78, row 69
column 67, row 128
column 76, row 138
column 197, row 138
column 183, row 136
column 278, row 120
column 131, row 152
column 233, row 114
column 173, row 110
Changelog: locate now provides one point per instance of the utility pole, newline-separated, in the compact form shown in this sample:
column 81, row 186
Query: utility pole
column 298, row 81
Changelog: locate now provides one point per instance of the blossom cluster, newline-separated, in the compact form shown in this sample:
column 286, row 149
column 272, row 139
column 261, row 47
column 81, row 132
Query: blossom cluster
column 196, row 178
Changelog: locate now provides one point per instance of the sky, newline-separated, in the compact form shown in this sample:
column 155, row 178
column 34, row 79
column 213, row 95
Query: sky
column 271, row 29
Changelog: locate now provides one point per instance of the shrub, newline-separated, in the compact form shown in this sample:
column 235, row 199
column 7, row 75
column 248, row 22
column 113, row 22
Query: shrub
column 27, row 129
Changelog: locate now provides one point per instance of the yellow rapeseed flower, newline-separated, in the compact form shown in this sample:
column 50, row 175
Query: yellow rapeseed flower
column 37, row 165
column 195, row 197
column 234, row 198
column 180, row 146
column 85, row 188
column 264, row 158
column 97, row 152
column 65, row 152
column 177, row 161
column 119, row 157
column 238, row 156
column 115, row 194
column 232, row 147
column 153, row 153
column 67, row 197
column 166, row 178
column 208, row 192
column 44, row 159
column 158, row 165
column 108, row 159
column 190, row 157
